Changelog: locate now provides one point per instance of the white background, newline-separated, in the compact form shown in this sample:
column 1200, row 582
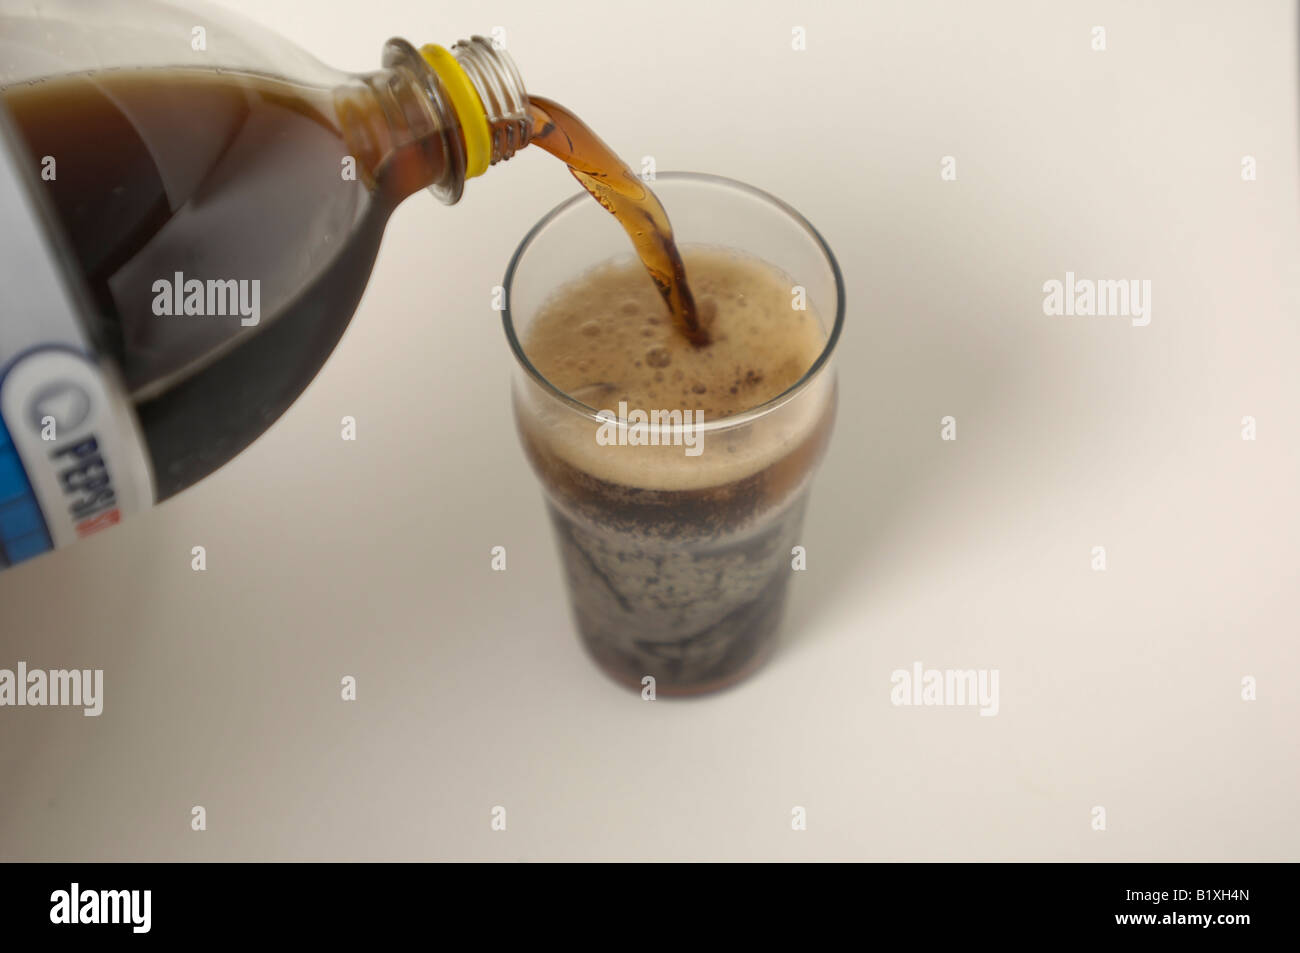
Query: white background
column 1119, row 689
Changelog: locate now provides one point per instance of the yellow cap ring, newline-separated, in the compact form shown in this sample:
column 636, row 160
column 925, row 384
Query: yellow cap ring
column 469, row 108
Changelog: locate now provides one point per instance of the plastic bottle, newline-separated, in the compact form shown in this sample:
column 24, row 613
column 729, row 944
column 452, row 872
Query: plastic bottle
column 192, row 208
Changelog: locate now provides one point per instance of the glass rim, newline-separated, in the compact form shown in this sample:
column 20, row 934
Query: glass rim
column 732, row 420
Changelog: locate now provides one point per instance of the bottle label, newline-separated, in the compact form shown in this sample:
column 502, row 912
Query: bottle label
column 72, row 461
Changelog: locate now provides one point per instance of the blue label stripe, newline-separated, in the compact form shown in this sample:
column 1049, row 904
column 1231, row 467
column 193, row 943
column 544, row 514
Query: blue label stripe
column 22, row 528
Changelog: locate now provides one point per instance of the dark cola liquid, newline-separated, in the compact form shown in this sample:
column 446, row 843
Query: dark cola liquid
column 677, row 564
column 216, row 176
column 686, row 586
column 621, row 191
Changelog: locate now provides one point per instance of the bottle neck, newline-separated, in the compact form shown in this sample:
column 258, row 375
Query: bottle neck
column 433, row 118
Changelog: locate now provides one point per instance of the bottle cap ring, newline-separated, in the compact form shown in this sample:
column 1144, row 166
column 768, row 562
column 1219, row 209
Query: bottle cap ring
column 469, row 108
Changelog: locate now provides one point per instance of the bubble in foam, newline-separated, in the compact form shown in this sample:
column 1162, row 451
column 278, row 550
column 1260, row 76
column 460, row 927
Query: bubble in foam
column 590, row 328
column 658, row 356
